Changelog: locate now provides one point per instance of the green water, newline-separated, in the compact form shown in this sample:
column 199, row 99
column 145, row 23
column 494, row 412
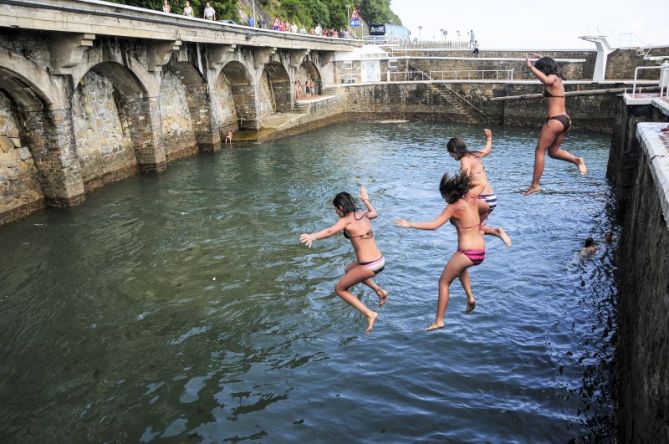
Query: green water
column 182, row 308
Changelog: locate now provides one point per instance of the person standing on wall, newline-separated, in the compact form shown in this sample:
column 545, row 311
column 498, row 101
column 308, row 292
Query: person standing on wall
column 209, row 12
column 472, row 39
column 166, row 7
column 476, row 47
column 188, row 9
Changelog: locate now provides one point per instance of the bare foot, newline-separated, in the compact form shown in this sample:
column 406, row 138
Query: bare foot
column 580, row 162
column 435, row 326
column 531, row 190
column 370, row 321
column 505, row 237
column 470, row 306
column 383, row 296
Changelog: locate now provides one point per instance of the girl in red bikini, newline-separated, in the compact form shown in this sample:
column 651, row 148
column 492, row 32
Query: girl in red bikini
column 557, row 123
column 463, row 212
column 356, row 226
column 471, row 163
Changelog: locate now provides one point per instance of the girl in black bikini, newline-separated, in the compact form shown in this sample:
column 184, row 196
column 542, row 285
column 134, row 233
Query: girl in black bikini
column 356, row 226
column 557, row 124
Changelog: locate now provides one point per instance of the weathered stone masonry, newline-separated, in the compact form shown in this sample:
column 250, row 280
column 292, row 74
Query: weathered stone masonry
column 122, row 107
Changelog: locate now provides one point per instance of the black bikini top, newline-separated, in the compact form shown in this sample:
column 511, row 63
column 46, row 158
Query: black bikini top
column 367, row 235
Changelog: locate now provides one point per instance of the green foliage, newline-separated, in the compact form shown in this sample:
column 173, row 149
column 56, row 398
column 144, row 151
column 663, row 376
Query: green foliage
column 378, row 11
column 307, row 13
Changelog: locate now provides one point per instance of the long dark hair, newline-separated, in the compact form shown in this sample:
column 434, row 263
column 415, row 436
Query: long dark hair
column 345, row 203
column 454, row 188
column 548, row 66
column 457, row 146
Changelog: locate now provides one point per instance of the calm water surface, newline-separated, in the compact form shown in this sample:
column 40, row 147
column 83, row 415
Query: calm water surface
column 182, row 308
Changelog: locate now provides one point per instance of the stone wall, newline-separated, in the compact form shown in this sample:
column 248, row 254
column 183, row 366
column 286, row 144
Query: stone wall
column 642, row 354
column 223, row 106
column 103, row 142
column 20, row 190
column 622, row 62
column 178, row 137
column 464, row 60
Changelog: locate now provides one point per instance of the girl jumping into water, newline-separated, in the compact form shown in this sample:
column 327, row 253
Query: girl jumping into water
column 463, row 212
column 472, row 165
column 557, row 123
column 356, row 226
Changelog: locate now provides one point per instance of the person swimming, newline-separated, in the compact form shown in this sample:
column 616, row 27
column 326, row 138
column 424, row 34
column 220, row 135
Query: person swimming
column 356, row 226
column 471, row 163
column 557, row 123
column 228, row 136
column 589, row 247
column 464, row 215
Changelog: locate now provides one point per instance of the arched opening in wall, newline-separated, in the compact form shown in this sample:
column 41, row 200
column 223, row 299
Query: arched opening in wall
column 104, row 106
column 181, row 92
column 24, row 130
column 310, row 79
column 274, row 90
column 236, row 101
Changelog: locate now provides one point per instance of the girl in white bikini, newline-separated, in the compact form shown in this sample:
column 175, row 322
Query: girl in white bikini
column 356, row 226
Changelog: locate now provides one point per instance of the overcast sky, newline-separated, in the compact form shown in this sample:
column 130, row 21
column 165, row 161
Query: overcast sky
column 539, row 24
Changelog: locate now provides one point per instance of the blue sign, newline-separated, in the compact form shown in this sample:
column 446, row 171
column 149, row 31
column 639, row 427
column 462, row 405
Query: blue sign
column 355, row 22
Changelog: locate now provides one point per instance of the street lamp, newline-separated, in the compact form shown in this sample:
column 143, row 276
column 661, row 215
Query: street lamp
column 458, row 33
column 255, row 25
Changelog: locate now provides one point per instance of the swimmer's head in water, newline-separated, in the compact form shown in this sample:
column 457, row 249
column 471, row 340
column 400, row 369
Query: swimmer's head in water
column 548, row 66
column 589, row 242
column 344, row 202
column 457, row 147
column 453, row 188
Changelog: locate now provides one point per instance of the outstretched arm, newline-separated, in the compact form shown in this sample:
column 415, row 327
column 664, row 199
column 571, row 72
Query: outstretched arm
column 364, row 197
column 308, row 239
column 488, row 143
column 436, row 223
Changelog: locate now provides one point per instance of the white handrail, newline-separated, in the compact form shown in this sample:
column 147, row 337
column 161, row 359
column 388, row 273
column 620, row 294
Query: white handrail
column 508, row 72
column 636, row 73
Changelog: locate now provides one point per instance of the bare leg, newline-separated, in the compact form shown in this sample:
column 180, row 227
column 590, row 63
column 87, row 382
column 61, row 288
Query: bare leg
column 380, row 292
column 353, row 276
column 466, row 282
column 556, row 153
column 546, row 138
column 455, row 266
column 484, row 212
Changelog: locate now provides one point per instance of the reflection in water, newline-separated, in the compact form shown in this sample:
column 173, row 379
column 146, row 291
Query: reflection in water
column 183, row 307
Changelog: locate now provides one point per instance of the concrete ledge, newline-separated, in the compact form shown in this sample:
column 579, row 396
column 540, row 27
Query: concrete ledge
column 662, row 103
column 656, row 146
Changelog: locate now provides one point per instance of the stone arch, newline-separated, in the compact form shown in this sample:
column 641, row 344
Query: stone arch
column 116, row 126
column 186, row 112
column 36, row 167
column 236, row 104
column 274, row 90
column 308, row 70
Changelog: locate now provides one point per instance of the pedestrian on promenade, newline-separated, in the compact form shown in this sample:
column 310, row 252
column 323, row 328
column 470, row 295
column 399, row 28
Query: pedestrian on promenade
column 476, row 47
column 557, row 123
column 357, row 227
column 464, row 214
column 472, row 39
column 166, row 6
column 471, row 163
column 209, row 12
column 188, row 9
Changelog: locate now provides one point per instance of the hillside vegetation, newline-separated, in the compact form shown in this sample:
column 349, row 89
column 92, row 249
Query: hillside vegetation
column 307, row 13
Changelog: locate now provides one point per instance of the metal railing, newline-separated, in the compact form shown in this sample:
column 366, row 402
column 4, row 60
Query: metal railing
column 663, row 81
column 432, row 44
column 407, row 76
column 473, row 74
